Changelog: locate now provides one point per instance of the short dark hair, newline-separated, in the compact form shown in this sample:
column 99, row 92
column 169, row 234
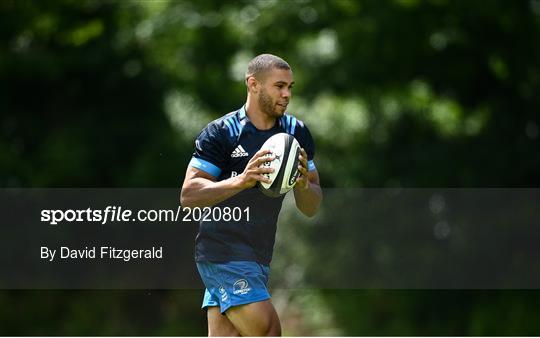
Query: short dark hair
column 265, row 62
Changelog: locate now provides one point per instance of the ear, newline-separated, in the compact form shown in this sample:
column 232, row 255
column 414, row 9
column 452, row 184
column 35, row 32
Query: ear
column 252, row 84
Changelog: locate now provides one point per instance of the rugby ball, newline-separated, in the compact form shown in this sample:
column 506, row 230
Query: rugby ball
column 286, row 150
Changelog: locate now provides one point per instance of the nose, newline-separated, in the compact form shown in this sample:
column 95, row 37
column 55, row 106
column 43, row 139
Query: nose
column 286, row 93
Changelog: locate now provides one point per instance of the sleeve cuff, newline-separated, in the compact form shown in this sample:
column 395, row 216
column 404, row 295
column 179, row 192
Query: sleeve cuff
column 205, row 166
column 311, row 165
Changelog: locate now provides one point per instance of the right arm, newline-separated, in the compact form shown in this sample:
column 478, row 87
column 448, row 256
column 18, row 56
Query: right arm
column 200, row 189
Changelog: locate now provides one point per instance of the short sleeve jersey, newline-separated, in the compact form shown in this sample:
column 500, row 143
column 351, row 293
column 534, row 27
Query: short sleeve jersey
column 223, row 150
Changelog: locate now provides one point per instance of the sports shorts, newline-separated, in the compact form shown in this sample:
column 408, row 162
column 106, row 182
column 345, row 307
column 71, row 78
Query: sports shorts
column 233, row 283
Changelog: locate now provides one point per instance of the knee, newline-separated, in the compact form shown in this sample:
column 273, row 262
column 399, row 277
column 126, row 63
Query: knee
column 223, row 332
column 255, row 319
column 268, row 327
column 275, row 331
column 274, row 328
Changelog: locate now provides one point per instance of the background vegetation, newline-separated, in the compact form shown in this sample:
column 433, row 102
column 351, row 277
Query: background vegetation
column 402, row 93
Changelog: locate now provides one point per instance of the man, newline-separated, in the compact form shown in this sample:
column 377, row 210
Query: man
column 233, row 257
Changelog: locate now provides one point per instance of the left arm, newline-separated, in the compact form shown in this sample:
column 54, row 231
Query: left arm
column 307, row 191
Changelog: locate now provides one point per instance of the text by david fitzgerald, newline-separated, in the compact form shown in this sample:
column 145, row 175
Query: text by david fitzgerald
column 103, row 252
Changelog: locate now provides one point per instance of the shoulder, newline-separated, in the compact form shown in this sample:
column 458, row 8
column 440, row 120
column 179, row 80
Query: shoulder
column 294, row 126
column 228, row 126
column 300, row 131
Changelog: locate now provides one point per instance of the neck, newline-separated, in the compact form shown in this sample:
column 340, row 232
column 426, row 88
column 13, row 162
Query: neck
column 257, row 117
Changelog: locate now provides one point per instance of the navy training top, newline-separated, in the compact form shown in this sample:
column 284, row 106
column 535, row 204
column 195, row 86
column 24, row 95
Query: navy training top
column 223, row 149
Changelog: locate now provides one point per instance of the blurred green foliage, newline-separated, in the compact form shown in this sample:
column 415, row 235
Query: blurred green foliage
column 398, row 93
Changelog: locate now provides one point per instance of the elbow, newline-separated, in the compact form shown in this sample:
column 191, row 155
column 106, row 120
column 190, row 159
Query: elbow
column 189, row 199
column 185, row 200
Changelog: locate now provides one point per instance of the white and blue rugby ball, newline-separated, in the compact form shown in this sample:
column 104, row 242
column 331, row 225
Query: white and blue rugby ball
column 286, row 150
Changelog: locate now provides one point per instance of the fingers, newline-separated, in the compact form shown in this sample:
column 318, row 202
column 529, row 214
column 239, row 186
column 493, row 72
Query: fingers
column 303, row 171
column 260, row 157
column 257, row 174
column 260, row 153
column 302, row 182
column 263, row 170
column 263, row 151
column 303, row 161
column 263, row 179
column 302, row 166
column 263, row 159
column 256, row 171
column 259, row 177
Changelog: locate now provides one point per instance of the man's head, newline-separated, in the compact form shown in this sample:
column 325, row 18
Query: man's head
column 269, row 81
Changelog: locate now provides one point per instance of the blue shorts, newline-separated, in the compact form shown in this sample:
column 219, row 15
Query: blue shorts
column 233, row 283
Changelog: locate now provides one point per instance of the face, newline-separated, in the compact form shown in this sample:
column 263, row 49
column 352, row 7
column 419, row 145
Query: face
column 275, row 92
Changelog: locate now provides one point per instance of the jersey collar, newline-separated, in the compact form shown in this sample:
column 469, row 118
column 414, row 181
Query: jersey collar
column 244, row 118
column 242, row 114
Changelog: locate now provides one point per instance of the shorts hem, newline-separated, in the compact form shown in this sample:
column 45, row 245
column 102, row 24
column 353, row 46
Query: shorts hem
column 247, row 301
column 205, row 307
column 209, row 305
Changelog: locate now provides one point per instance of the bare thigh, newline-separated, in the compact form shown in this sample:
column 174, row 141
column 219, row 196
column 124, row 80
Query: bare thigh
column 255, row 319
column 219, row 325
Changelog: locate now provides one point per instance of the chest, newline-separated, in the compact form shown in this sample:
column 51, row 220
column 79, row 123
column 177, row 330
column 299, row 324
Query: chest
column 243, row 150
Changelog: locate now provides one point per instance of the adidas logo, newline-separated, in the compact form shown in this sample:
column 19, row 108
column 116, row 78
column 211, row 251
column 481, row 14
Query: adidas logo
column 239, row 152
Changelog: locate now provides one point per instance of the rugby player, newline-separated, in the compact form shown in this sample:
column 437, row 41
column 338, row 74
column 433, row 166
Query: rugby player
column 233, row 258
